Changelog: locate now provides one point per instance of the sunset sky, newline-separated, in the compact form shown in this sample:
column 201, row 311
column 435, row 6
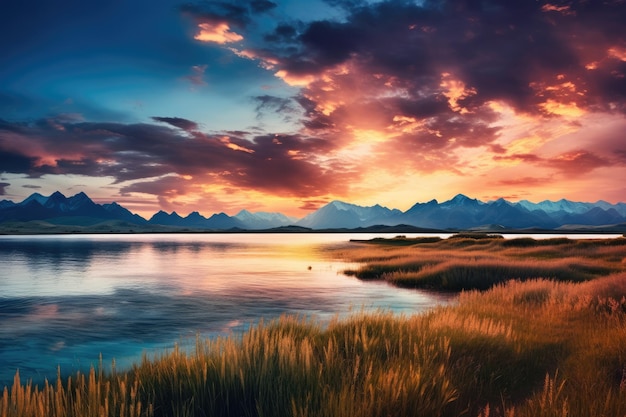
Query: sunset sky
column 285, row 105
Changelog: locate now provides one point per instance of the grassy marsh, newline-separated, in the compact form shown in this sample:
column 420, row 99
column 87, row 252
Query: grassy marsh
column 474, row 261
column 534, row 347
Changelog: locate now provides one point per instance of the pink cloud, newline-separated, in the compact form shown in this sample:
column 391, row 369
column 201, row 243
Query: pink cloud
column 218, row 32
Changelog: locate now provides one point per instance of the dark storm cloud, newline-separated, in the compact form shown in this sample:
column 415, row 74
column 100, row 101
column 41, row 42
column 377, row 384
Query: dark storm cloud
column 522, row 53
column 128, row 152
column 329, row 43
column 284, row 32
column 3, row 186
column 16, row 162
column 279, row 164
column 178, row 122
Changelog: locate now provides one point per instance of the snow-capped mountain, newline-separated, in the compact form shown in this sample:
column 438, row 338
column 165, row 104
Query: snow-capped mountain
column 458, row 213
column 263, row 220
column 571, row 207
column 338, row 214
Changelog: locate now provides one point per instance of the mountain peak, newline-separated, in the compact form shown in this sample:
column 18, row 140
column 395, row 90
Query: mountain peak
column 340, row 205
column 460, row 200
column 35, row 197
column 194, row 215
column 57, row 195
column 80, row 199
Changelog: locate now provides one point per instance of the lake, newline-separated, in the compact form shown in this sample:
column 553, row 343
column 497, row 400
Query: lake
column 66, row 299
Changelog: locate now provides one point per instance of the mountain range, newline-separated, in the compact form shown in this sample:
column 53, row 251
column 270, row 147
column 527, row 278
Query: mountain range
column 459, row 213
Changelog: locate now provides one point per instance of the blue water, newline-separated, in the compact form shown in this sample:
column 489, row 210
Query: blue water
column 66, row 300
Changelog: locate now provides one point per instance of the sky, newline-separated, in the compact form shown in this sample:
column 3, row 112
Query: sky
column 285, row 105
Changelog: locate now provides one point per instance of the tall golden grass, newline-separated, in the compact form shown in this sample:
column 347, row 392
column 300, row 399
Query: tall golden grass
column 468, row 262
column 533, row 347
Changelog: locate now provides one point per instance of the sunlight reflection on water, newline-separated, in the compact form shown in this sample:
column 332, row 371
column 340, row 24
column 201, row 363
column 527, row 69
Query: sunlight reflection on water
column 66, row 299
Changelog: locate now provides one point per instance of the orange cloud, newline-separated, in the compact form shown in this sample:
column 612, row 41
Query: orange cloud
column 217, row 32
column 226, row 141
column 578, row 162
column 565, row 10
column 557, row 108
column 455, row 91
column 295, row 80
column 618, row 52
column 525, row 181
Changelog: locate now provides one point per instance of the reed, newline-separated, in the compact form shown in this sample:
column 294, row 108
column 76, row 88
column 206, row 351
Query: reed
column 470, row 261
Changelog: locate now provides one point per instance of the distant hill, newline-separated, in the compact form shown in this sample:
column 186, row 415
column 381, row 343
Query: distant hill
column 80, row 213
column 58, row 207
column 338, row 214
column 262, row 220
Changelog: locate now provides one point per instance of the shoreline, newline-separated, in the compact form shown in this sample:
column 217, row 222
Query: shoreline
column 42, row 228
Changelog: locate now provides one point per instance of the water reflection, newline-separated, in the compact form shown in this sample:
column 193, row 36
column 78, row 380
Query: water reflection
column 66, row 299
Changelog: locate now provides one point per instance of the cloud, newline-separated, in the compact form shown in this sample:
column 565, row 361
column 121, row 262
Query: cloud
column 525, row 181
column 217, row 11
column 261, row 6
column 285, row 107
column 446, row 58
column 216, row 32
column 523, row 157
column 16, row 162
column 388, row 88
column 167, row 186
column 577, row 162
column 283, row 33
column 573, row 163
column 311, row 205
column 149, row 156
column 197, row 75
column 345, row 4
column 3, row 186
column 220, row 16
column 178, row 122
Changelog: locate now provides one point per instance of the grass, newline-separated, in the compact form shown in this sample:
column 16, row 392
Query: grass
column 475, row 261
column 533, row 347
